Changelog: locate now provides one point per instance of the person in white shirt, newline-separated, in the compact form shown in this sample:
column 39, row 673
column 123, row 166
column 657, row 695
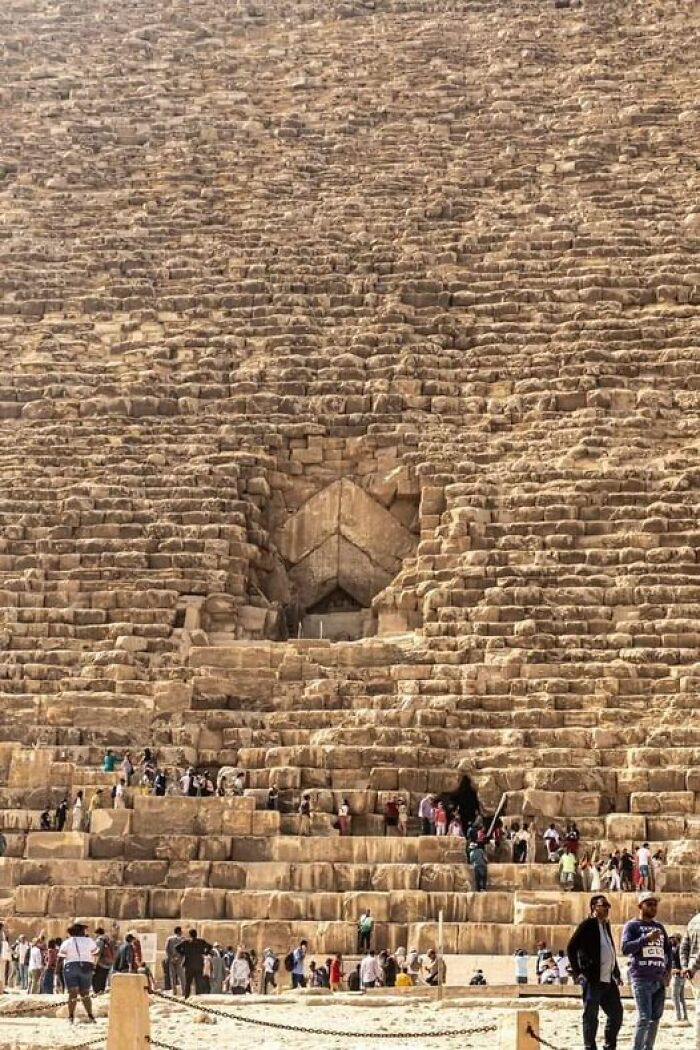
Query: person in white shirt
column 36, row 965
column 118, row 795
column 239, row 976
column 644, row 865
column 562, row 967
column 551, row 841
column 270, row 967
column 370, row 971
column 78, row 953
column 521, row 966
column 77, row 824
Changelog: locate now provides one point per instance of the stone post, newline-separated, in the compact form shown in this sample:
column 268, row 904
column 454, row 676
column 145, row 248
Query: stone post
column 129, row 1023
column 514, row 1034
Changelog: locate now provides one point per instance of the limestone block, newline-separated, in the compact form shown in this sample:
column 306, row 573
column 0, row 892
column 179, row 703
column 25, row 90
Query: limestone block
column 384, row 778
column 175, row 813
column 80, row 900
column 542, row 803
column 165, row 904
column 352, row 877
column 244, row 904
column 203, row 904
column 265, row 822
column 31, row 900
column 214, row 847
column 354, row 904
column 145, row 873
column 625, row 827
column 181, row 848
column 187, row 873
column 312, row 877
column 662, row 802
column 9, row 872
column 391, row 877
column 126, row 904
column 576, row 803
column 406, row 906
column 230, row 876
column 238, row 822
column 664, row 829
column 111, row 822
column 106, row 847
column 30, row 767
column 57, row 845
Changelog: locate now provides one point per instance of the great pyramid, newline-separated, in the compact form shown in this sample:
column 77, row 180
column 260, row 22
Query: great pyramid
column 350, row 410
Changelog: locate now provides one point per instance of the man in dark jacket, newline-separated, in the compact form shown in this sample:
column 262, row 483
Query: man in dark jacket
column 593, row 963
column 192, row 952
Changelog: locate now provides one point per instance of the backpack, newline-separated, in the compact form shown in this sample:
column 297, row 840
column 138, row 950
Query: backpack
column 289, row 961
column 107, row 953
column 114, row 791
column 276, row 964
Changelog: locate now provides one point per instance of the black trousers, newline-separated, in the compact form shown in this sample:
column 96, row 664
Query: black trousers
column 606, row 997
column 195, row 977
column 99, row 979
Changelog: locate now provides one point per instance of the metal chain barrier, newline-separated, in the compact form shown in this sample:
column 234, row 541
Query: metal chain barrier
column 332, row 1033
column 543, row 1042
column 39, row 1008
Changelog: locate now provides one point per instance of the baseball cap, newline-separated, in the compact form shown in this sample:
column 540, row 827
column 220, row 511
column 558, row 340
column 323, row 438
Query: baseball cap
column 647, row 896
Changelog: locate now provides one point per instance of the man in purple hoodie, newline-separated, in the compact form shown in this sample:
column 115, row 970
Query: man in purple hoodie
column 646, row 941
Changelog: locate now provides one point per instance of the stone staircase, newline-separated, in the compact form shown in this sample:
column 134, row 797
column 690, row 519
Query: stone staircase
column 446, row 253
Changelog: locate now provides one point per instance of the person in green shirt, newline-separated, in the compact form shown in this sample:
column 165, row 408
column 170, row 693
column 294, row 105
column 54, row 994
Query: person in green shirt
column 568, row 865
column 109, row 762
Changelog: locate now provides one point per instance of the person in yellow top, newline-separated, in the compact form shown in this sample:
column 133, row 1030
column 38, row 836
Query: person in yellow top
column 403, row 980
column 96, row 802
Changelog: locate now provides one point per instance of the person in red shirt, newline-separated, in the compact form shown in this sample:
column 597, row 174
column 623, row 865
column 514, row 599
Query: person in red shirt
column 336, row 974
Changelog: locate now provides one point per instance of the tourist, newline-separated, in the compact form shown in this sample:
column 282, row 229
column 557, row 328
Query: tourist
column 103, row 961
column 403, row 980
column 20, row 957
column 572, row 837
column 521, row 962
column 34, row 967
column 391, row 814
column 240, row 973
column 531, row 832
column 440, row 819
column 551, row 841
column 612, row 872
column 626, row 871
column 658, row 871
column 239, row 783
column 44, row 822
column 125, row 960
column 690, row 964
column 48, row 977
column 160, row 783
column 78, row 953
column 678, row 981
column 477, row 859
column 454, row 829
column 77, row 823
column 354, row 980
column 644, row 866
column 119, row 794
column 426, row 813
column 96, row 802
column 61, row 814
column 521, row 841
column 478, row 978
column 365, row 926
column 431, row 968
column 646, row 941
column 218, row 970
column 344, row 818
column 568, row 864
column 127, row 768
column 316, row 976
column 389, row 968
column 187, row 782
column 413, row 964
column 593, row 963
column 298, row 965
column 336, row 972
column 562, row 967
column 109, row 762
column 192, row 952
column 305, row 815
column 273, row 798
column 403, row 817
column 270, row 966
column 370, row 971
column 174, row 960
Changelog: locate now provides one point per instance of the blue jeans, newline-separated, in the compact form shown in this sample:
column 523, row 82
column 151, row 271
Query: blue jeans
column 649, row 997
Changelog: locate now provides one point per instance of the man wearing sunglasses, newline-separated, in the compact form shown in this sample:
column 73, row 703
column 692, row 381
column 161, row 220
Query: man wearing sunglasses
column 593, row 963
column 646, row 941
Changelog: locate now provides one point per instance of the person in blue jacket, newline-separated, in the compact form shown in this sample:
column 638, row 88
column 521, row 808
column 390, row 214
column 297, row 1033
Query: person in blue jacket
column 646, row 942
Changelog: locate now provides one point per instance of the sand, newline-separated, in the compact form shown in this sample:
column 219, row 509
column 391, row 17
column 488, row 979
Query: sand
column 345, row 1013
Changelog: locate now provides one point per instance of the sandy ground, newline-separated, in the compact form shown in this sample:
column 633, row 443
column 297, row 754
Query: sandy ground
column 346, row 1014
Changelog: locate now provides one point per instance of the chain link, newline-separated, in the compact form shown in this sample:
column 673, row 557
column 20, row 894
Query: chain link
column 332, row 1033
column 538, row 1039
column 30, row 1010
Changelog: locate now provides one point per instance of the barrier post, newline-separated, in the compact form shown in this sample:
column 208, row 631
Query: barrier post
column 129, row 1025
column 514, row 1031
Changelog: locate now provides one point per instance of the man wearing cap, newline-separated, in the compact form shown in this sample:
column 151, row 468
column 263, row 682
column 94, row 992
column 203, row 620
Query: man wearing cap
column 593, row 963
column 690, row 964
column 645, row 940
